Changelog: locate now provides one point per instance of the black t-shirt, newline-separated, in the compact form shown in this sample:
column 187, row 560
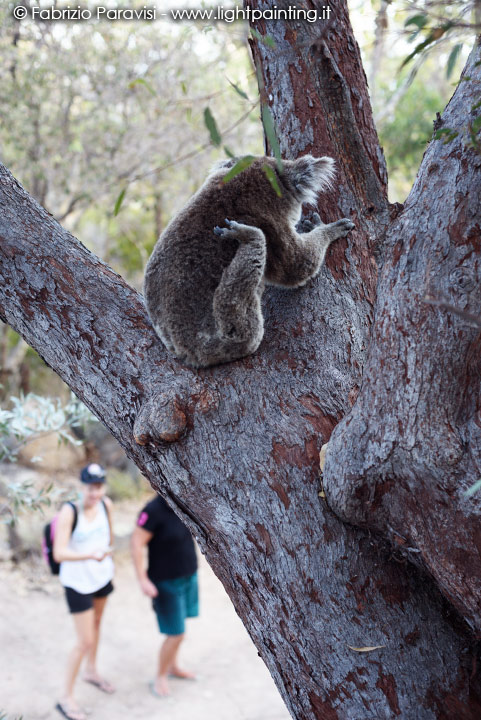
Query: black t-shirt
column 171, row 549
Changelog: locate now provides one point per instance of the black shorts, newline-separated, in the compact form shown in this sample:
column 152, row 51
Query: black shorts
column 78, row 602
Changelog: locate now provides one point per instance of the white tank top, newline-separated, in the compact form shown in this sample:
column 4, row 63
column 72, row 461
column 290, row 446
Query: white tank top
column 88, row 576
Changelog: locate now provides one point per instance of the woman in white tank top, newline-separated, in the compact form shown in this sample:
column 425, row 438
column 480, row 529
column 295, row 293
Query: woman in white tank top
column 84, row 548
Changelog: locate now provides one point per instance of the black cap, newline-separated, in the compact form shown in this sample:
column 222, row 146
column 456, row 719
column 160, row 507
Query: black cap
column 93, row 473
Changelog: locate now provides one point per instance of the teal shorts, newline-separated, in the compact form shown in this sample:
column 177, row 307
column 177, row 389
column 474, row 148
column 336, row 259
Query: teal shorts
column 177, row 600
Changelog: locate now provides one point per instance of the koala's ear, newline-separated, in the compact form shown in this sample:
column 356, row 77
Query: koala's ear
column 308, row 176
column 223, row 164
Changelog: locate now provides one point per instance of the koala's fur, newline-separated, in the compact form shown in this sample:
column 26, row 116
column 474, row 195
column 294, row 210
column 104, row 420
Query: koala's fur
column 203, row 284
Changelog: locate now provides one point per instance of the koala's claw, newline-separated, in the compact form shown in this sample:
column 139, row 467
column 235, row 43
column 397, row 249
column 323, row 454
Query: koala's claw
column 223, row 231
column 307, row 226
column 345, row 225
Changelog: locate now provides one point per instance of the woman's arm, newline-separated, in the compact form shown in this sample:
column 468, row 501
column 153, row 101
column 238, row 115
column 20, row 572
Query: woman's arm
column 63, row 531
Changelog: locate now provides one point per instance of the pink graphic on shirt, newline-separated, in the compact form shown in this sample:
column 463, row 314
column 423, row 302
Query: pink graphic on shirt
column 143, row 517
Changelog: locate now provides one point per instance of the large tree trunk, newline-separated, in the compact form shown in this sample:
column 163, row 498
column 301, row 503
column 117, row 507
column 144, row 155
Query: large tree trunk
column 401, row 461
column 235, row 449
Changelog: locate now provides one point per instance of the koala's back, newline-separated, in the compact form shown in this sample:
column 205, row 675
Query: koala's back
column 185, row 269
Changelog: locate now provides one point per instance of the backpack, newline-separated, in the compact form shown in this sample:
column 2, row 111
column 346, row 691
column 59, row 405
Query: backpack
column 48, row 538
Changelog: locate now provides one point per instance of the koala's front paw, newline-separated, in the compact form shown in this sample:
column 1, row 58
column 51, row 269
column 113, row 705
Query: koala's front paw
column 341, row 228
column 306, row 225
column 242, row 233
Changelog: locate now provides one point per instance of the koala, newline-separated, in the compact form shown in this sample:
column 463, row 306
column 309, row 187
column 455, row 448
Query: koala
column 206, row 275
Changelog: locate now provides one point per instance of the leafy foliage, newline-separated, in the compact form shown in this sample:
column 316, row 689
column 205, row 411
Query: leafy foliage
column 111, row 131
column 34, row 416
column 30, row 418
column 404, row 138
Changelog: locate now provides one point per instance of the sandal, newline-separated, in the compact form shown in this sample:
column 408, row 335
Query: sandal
column 101, row 684
column 70, row 714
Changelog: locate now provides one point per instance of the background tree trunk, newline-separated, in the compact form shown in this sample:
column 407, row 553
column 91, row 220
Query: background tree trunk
column 235, row 449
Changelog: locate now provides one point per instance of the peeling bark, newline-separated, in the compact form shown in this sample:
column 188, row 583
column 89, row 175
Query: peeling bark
column 235, row 449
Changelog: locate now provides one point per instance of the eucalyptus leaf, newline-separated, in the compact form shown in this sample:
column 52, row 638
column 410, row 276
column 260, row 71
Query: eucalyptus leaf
column 453, row 56
column 271, row 176
column 142, row 81
column 242, row 164
column 419, row 48
column 419, row 20
column 238, row 90
column 211, row 126
column 119, row 201
column 269, row 129
column 447, row 134
column 265, row 39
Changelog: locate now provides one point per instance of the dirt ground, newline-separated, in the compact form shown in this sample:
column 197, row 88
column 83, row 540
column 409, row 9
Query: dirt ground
column 36, row 634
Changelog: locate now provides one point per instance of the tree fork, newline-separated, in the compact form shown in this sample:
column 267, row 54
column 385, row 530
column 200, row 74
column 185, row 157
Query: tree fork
column 243, row 473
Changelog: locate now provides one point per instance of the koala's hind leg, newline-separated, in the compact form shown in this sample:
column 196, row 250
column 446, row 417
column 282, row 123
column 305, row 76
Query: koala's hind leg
column 236, row 304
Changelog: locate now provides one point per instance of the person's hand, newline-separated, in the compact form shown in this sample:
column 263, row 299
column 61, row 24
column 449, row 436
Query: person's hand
column 148, row 588
column 99, row 555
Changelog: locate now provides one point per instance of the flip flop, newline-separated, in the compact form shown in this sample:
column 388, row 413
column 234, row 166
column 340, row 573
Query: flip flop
column 102, row 685
column 72, row 714
column 155, row 693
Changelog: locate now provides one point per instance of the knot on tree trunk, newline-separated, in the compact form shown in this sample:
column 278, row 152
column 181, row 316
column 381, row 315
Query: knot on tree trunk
column 165, row 417
column 161, row 418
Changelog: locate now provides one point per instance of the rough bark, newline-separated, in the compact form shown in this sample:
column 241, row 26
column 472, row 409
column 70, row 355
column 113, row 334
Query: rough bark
column 244, row 478
column 402, row 460
column 235, row 449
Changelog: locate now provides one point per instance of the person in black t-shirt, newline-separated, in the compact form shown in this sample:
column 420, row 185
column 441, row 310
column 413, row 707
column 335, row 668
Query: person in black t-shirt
column 170, row 580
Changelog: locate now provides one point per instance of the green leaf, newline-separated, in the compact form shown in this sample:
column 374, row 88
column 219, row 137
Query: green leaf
column 228, row 152
column 119, row 202
column 271, row 176
column 211, row 126
column 453, row 56
column 238, row 90
column 141, row 81
column 239, row 167
column 473, row 489
column 476, row 106
column 266, row 39
column 183, row 87
column 417, row 50
column 476, row 125
column 419, row 20
column 434, row 35
column 269, row 129
column 447, row 133
column 439, row 133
